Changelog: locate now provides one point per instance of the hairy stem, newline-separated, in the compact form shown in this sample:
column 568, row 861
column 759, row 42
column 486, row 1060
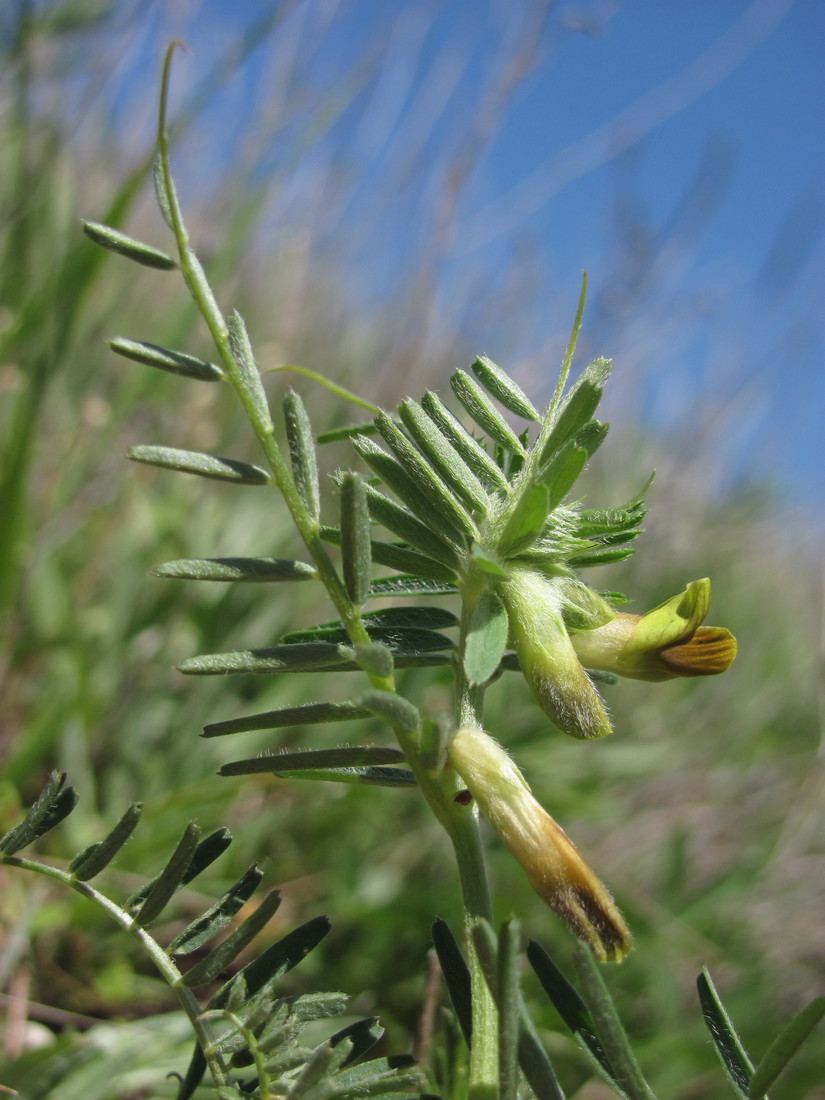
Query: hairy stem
column 167, row 969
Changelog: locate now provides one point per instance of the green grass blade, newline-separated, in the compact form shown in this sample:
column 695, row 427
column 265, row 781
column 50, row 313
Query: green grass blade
column 784, row 1046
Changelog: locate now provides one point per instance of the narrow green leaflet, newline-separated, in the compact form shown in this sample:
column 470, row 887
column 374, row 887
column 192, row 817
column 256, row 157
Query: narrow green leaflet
column 356, row 550
column 375, row 659
column 308, row 657
column 195, row 462
column 347, row 756
column 405, row 638
column 484, row 412
column 53, row 804
column 737, row 1065
column 302, row 456
column 379, row 1069
column 217, row 916
column 488, row 562
column 508, row 1000
column 219, row 959
column 576, row 409
column 486, row 638
column 93, row 859
column 525, row 521
column 625, row 1071
column 456, row 975
column 259, row 570
column 451, row 467
column 569, row 1005
column 408, row 527
column 175, row 362
column 501, row 386
column 592, row 436
column 207, row 851
column 368, row 776
column 412, row 618
column 409, row 585
column 467, row 446
column 129, row 247
column 428, row 483
column 170, row 877
column 561, row 474
column 402, row 558
column 306, row 714
column 249, row 377
column 784, row 1046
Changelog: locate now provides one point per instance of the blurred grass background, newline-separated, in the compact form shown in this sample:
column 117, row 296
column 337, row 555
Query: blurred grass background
column 703, row 811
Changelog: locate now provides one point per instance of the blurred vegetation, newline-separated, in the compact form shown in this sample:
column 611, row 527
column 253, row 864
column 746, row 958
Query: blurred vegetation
column 703, row 811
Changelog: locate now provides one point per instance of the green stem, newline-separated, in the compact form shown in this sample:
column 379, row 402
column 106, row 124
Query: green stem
column 464, row 833
column 199, row 287
column 168, row 971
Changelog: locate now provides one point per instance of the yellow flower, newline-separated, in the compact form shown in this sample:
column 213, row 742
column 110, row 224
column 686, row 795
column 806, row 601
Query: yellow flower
column 554, row 867
column 666, row 642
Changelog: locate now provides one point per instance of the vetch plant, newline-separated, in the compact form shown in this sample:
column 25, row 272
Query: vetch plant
column 482, row 519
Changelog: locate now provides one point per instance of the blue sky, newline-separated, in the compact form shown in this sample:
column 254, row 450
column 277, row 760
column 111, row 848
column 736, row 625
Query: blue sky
column 673, row 150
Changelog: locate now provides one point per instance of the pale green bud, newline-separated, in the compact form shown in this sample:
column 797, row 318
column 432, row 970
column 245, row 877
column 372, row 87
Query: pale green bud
column 536, row 608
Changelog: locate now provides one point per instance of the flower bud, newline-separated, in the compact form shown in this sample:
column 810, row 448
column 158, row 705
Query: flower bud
column 553, row 865
column 666, row 642
column 536, row 613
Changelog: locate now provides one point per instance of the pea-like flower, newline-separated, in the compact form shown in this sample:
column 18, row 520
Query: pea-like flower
column 559, row 627
column 555, row 868
column 666, row 642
